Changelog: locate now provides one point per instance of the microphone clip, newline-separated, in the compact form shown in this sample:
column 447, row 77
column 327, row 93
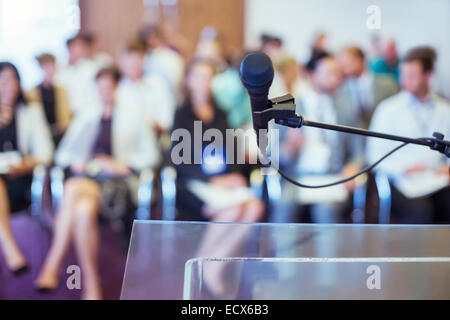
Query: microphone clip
column 439, row 144
column 282, row 110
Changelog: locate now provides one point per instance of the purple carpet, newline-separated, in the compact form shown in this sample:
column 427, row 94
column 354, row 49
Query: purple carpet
column 34, row 242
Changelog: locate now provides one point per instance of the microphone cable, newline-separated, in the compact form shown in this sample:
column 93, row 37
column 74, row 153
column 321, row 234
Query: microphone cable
column 365, row 170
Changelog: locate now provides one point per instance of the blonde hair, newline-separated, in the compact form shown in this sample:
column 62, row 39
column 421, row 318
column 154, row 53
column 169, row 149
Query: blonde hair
column 282, row 64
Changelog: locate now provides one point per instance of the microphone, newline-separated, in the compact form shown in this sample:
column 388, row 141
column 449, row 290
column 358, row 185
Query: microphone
column 257, row 75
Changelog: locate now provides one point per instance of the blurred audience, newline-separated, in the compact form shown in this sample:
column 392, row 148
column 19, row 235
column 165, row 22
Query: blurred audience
column 420, row 179
column 107, row 144
column 52, row 97
column 24, row 131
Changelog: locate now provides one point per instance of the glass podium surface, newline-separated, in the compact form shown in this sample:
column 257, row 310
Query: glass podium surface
column 199, row 260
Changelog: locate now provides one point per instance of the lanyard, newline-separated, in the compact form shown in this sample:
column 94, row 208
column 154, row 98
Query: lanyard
column 423, row 123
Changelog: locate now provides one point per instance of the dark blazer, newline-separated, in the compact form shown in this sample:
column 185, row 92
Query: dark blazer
column 189, row 206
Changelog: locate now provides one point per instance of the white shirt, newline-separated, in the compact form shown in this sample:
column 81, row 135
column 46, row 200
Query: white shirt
column 149, row 98
column 318, row 155
column 168, row 64
column 79, row 81
column 404, row 115
column 33, row 133
column 102, row 60
column 361, row 89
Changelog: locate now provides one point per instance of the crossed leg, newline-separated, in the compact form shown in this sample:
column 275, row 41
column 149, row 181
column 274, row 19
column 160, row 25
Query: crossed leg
column 77, row 221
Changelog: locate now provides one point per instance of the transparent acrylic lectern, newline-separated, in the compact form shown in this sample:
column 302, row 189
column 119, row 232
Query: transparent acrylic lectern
column 196, row 260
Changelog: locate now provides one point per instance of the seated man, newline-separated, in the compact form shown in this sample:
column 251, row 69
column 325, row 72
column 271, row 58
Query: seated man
column 357, row 98
column 147, row 95
column 362, row 89
column 420, row 190
column 311, row 151
column 107, row 144
column 78, row 76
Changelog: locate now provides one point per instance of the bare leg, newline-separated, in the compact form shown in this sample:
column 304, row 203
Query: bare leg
column 62, row 237
column 232, row 236
column 215, row 233
column 14, row 257
column 226, row 240
column 87, row 241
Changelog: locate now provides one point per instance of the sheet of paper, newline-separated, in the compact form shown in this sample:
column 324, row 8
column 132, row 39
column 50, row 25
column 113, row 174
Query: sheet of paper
column 8, row 159
column 332, row 194
column 218, row 197
column 421, row 184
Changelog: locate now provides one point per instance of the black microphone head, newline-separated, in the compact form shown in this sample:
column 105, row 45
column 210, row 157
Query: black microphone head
column 257, row 76
column 257, row 73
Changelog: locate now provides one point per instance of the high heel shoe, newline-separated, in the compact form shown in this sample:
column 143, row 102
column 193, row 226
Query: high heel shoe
column 45, row 290
column 20, row 270
column 42, row 288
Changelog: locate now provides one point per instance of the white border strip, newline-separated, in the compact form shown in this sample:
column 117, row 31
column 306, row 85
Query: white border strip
column 328, row 260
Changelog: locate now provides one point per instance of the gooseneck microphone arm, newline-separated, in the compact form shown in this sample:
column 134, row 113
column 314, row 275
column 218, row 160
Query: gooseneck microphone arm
column 362, row 132
column 283, row 112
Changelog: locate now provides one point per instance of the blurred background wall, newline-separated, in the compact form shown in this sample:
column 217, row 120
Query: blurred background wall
column 113, row 21
column 27, row 27
column 410, row 22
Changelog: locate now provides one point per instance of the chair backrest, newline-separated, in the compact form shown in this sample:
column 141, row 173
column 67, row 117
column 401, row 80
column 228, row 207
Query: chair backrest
column 257, row 183
column 37, row 190
column 169, row 192
column 57, row 186
column 273, row 183
column 359, row 201
column 144, row 195
column 384, row 196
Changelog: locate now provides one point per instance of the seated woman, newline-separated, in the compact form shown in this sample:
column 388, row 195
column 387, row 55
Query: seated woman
column 201, row 107
column 218, row 241
column 106, row 143
column 23, row 133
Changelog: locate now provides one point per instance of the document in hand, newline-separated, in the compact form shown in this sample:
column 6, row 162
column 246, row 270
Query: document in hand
column 218, row 197
column 8, row 159
column 332, row 194
column 421, row 184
